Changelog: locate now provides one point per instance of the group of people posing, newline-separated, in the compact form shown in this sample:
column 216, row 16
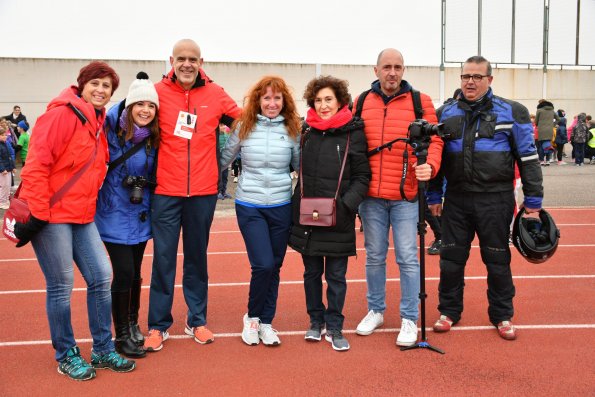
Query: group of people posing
column 161, row 144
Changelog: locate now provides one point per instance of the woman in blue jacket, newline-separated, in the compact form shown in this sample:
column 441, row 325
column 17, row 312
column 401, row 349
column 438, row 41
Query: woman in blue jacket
column 123, row 205
column 266, row 135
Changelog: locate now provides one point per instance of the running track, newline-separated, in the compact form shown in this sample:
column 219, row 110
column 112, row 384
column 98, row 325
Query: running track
column 553, row 355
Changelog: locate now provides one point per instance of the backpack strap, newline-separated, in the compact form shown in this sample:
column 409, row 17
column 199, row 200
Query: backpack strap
column 417, row 108
column 360, row 104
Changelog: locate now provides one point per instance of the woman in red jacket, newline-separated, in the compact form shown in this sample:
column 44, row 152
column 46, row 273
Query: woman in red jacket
column 66, row 166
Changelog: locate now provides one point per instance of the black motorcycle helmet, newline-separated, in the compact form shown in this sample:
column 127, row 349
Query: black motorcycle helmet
column 536, row 239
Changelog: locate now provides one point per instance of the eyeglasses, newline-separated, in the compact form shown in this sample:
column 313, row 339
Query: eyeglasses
column 476, row 77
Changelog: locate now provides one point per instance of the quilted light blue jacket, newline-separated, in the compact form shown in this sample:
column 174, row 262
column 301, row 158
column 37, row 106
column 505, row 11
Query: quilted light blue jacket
column 266, row 155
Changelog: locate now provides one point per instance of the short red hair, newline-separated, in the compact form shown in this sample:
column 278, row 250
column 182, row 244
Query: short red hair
column 97, row 70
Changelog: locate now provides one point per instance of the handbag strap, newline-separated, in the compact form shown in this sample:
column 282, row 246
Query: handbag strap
column 125, row 156
column 342, row 164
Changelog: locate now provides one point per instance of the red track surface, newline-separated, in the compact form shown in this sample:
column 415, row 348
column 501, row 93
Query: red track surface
column 553, row 355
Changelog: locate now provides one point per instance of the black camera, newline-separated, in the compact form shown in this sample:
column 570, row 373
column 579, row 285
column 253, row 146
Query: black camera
column 420, row 129
column 136, row 185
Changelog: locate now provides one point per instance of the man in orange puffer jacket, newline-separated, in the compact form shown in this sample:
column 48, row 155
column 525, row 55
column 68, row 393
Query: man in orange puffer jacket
column 392, row 198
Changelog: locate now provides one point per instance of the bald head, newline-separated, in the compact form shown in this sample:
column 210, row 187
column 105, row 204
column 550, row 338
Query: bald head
column 186, row 44
column 186, row 61
column 389, row 52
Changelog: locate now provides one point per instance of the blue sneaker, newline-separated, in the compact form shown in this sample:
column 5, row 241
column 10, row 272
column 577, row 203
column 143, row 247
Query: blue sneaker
column 113, row 361
column 75, row 367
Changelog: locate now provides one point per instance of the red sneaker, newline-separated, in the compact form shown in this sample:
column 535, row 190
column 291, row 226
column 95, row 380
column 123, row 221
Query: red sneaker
column 506, row 330
column 443, row 324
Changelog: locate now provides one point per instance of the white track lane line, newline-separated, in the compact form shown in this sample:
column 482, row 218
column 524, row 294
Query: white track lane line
column 352, row 281
column 350, row 331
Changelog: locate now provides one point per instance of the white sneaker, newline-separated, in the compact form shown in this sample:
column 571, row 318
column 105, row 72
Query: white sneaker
column 372, row 321
column 235, row 179
column 250, row 331
column 408, row 334
column 268, row 335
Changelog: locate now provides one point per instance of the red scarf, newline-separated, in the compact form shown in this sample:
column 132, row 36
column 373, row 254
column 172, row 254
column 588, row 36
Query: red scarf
column 339, row 119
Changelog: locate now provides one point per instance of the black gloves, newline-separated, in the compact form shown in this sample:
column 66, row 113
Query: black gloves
column 26, row 231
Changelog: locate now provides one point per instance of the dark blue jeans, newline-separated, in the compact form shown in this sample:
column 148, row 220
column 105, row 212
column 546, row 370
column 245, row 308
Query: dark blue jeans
column 168, row 215
column 334, row 270
column 265, row 232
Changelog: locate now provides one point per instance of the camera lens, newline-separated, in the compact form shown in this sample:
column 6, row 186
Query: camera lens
column 136, row 194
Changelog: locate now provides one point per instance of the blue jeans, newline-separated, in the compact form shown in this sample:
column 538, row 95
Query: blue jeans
column 56, row 247
column 168, row 216
column 265, row 232
column 378, row 215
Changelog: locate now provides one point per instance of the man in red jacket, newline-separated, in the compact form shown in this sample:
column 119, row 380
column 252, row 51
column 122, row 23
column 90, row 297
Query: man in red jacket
column 191, row 108
column 387, row 111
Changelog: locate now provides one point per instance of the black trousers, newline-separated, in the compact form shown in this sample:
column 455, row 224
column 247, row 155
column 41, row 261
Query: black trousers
column 489, row 215
column 126, row 263
column 334, row 269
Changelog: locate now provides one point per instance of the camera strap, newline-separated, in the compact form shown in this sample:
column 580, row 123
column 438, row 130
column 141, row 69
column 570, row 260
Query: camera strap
column 125, row 156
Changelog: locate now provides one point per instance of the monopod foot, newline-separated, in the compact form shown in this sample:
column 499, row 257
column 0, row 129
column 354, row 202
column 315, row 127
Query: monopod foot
column 423, row 345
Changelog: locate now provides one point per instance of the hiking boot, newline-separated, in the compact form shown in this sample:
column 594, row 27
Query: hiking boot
column 408, row 333
column 443, row 324
column 369, row 323
column 201, row 334
column 113, row 361
column 268, row 335
column 75, row 367
column 315, row 333
column 154, row 341
column 250, row 331
column 337, row 340
column 435, row 248
column 506, row 330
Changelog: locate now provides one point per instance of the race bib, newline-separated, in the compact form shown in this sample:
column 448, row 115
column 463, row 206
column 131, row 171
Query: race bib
column 185, row 125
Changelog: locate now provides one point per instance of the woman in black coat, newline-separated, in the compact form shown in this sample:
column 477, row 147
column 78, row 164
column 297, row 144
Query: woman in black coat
column 329, row 125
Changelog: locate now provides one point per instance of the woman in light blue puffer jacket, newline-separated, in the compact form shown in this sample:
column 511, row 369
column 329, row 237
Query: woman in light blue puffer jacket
column 267, row 136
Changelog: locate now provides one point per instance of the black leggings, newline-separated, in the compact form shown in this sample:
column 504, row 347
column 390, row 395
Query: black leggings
column 560, row 150
column 126, row 262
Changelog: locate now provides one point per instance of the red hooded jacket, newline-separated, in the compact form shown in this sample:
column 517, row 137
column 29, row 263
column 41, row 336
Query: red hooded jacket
column 60, row 146
column 189, row 167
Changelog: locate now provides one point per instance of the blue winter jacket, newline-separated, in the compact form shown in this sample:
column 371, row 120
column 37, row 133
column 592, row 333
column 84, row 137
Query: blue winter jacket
column 266, row 154
column 117, row 219
column 6, row 156
column 482, row 147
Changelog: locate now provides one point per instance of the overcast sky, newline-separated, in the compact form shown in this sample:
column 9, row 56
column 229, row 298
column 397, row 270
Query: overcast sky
column 295, row 31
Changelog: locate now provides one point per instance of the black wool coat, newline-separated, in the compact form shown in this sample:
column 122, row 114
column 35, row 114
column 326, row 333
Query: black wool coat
column 322, row 154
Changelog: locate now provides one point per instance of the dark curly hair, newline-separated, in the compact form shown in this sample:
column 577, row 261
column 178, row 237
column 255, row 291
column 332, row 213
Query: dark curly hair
column 338, row 86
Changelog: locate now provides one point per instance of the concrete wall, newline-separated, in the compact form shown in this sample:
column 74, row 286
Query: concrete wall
column 32, row 83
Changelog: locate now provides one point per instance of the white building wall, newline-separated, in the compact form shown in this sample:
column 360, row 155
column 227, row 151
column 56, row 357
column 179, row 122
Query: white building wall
column 32, row 82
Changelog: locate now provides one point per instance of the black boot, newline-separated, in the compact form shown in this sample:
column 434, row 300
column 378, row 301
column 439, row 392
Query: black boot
column 123, row 343
column 135, row 333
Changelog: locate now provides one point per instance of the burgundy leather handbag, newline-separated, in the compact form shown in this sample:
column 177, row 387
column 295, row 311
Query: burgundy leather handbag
column 320, row 211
